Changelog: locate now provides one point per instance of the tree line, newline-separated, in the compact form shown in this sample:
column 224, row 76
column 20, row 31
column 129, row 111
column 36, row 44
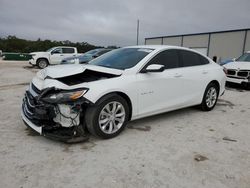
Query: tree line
column 15, row 44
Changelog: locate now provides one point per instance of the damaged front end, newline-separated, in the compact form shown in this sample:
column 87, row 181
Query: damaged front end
column 56, row 113
column 54, row 105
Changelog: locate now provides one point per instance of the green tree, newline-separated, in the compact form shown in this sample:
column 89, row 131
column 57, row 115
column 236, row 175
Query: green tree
column 14, row 44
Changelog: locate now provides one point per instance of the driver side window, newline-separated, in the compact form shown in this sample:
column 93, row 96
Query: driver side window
column 168, row 58
column 57, row 51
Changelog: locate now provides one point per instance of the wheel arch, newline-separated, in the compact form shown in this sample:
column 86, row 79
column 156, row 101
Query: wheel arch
column 42, row 58
column 216, row 83
column 121, row 94
column 202, row 105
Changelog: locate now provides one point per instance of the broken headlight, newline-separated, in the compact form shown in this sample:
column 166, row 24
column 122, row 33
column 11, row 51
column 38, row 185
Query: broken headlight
column 65, row 96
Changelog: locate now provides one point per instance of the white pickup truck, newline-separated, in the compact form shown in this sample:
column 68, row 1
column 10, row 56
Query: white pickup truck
column 52, row 56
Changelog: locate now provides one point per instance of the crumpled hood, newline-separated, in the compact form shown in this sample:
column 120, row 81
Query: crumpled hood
column 242, row 65
column 60, row 71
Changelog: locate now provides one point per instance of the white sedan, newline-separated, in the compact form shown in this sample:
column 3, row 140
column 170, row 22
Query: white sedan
column 122, row 85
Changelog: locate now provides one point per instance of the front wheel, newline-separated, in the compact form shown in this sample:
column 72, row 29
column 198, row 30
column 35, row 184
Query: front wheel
column 42, row 63
column 108, row 117
column 210, row 97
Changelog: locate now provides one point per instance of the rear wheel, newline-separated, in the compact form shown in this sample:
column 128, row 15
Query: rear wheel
column 210, row 97
column 42, row 63
column 108, row 117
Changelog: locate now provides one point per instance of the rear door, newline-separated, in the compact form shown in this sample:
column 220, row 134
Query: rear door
column 58, row 54
column 68, row 52
column 194, row 76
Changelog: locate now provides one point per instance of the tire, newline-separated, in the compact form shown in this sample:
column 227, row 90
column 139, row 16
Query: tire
column 99, row 120
column 211, row 94
column 42, row 63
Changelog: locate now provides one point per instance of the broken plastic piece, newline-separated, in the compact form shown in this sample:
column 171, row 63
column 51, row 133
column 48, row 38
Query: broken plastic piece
column 229, row 139
column 199, row 158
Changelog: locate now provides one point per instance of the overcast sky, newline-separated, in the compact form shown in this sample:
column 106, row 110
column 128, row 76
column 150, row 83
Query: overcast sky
column 113, row 22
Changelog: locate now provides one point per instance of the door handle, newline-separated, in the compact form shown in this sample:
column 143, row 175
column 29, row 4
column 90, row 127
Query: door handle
column 61, row 55
column 204, row 72
column 178, row 76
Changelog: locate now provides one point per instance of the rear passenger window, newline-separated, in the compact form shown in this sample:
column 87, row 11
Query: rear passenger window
column 192, row 59
column 68, row 50
column 168, row 58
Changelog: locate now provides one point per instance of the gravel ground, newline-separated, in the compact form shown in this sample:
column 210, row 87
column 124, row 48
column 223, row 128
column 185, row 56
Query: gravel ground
column 159, row 151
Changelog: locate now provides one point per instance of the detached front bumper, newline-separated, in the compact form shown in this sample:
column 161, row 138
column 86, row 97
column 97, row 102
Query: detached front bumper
column 30, row 124
column 53, row 120
column 68, row 135
column 37, row 117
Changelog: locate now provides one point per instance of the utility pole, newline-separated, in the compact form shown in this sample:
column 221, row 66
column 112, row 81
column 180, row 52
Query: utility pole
column 138, row 25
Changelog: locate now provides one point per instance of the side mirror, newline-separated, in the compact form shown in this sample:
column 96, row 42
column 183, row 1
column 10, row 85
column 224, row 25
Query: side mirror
column 234, row 59
column 155, row 68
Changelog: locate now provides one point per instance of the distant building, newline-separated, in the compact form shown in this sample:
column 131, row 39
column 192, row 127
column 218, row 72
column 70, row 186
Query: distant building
column 220, row 45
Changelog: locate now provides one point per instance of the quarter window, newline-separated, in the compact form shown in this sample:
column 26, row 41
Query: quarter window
column 168, row 58
column 192, row 59
column 203, row 60
column 68, row 50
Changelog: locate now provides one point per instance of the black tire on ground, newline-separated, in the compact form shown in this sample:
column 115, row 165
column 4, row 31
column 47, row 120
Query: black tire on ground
column 42, row 63
column 204, row 106
column 92, row 116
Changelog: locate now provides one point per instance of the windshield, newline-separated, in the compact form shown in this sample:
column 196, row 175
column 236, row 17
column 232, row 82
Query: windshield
column 123, row 58
column 92, row 52
column 244, row 57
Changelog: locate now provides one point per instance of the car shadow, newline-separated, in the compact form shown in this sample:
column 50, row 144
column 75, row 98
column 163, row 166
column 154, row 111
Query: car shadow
column 144, row 123
column 236, row 87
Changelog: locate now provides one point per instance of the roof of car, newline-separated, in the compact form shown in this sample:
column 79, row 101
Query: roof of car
column 157, row 47
column 64, row 47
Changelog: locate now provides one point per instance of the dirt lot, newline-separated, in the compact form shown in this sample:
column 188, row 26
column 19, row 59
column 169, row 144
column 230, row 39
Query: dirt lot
column 159, row 151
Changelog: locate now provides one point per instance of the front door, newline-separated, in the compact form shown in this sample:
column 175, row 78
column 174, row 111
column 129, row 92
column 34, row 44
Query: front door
column 56, row 56
column 160, row 91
